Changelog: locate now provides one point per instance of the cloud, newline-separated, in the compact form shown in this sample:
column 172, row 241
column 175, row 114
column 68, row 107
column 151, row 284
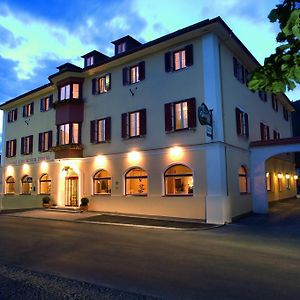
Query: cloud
column 7, row 38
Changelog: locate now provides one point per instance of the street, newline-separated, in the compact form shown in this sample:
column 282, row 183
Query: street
column 256, row 258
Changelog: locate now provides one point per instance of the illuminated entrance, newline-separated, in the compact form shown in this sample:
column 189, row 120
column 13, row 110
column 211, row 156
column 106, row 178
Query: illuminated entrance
column 71, row 189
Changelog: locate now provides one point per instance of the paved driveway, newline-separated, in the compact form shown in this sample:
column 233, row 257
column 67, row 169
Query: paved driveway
column 255, row 258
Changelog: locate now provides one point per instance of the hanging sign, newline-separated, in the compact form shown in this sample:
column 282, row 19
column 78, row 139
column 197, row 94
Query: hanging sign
column 205, row 118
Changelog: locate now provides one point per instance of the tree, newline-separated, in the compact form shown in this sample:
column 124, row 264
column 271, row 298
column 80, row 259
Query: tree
column 281, row 70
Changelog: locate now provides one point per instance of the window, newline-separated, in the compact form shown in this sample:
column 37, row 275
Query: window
column 238, row 71
column 69, row 91
column 10, row 185
column 11, row 148
column 45, row 141
column 45, row 184
column 134, row 74
column 243, row 181
column 26, row 185
column 268, row 181
column 288, row 181
column 179, row 181
column 102, row 183
column 285, row 113
column 12, row 115
column 101, row 85
column 121, row 48
column 134, row 124
column 263, row 96
column 180, row 115
column 101, row 130
column 46, row 103
column 136, row 182
column 274, row 102
column 242, row 124
column 179, row 59
column 69, row 134
column 27, row 145
column 89, row 61
column 264, row 132
column 276, row 135
column 28, row 110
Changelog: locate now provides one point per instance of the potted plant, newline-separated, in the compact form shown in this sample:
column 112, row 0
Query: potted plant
column 84, row 204
column 46, row 201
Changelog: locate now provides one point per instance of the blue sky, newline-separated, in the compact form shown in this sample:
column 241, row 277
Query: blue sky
column 37, row 36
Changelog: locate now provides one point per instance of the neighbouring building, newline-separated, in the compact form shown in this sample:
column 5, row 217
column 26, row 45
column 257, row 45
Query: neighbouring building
column 159, row 129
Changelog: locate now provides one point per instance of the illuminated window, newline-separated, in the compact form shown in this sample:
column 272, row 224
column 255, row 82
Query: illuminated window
column 243, row 181
column 46, row 103
column 28, row 110
column 121, row 47
column 268, row 181
column 101, row 85
column 242, row 126
column 45, row 184
column 10, row 185
column 75, row 91
column 69, row 91
column 136, row 182
column 69, row 134
column 65, row 92
column 11, row 148
column 134, row 124
column 45, row 141
column 89, row 61
column 181, row 115
column 134, row 74
column 179, row 181
column 102, row 182
column 12, row 115
column 27, row 145
column 179, row 60
column 26, row 185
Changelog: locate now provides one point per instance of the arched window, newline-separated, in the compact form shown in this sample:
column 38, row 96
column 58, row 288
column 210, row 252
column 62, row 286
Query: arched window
column 102, row 182
column 45, row 184
column 10, row 185
column 26, row 185
column 179, row 180
column 136, row 182
column 243, row 182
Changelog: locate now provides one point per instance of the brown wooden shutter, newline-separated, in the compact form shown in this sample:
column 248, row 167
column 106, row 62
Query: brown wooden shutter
column 191, row 104
column 124, row 129
column 247, row 125
column 108, row 129
column 268, row 133
column 143, row 122
column 262, row 131
column 142, row 70
column 168, row 117
column 51, row 101
column 24, row 112
column 94, row 82
column 16, row 115
column 42, row 105
column 22, row 145
column 235, row 67
column 8, row 117
column 168, row 61
column 41, row 142
column 92, row 131
column 7, row 149
column 50, row 139
column 126, row 76
column 31, row 108
column 238, row 121
column 14, row 147
column 189, row 55
column 30, row 143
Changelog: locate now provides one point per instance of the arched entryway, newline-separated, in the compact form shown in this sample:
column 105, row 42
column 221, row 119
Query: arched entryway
column 261, row 151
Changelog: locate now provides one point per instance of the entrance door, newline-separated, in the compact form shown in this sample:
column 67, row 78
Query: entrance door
column 71, row 188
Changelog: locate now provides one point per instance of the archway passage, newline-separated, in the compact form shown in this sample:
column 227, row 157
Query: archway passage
column 260, row 152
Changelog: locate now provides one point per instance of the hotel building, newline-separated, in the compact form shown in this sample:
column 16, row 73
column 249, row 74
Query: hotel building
column 164, row 129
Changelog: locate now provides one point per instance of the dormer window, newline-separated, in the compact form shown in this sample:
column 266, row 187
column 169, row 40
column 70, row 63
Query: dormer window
column 89, row 61
column 69, row 91
column 121, row 48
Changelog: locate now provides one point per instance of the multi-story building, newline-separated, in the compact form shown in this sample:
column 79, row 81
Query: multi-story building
column 161, row 128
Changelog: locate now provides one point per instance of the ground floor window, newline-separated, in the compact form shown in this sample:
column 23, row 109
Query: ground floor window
column 26, row 185
column 136, row 182
column 45, row 184
column 268, row 181
column 179, row 180
column 10, row 185
column 243, row 184
column 102, row 182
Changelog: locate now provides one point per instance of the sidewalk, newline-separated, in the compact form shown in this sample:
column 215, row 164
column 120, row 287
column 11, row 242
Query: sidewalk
column 110, row 219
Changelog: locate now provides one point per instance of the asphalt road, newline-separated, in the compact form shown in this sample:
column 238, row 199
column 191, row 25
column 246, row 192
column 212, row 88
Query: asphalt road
column 257, row 258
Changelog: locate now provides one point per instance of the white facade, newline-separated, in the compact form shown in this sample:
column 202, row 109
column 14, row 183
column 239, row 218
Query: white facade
column 209, row 189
